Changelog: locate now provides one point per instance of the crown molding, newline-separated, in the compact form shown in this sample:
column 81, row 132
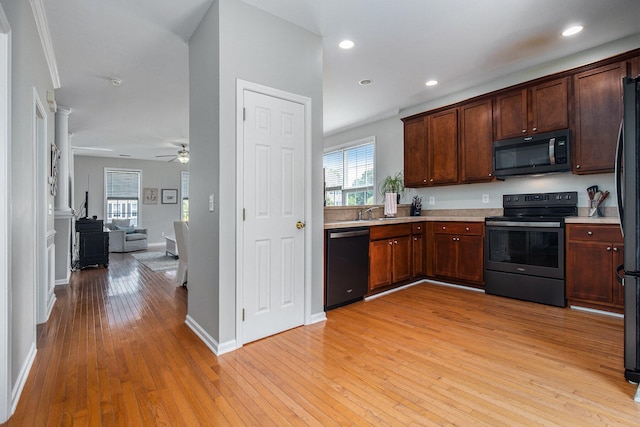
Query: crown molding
column 45, row 37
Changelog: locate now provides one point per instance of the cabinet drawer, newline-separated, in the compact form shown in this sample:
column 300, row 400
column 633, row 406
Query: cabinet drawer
column 596, row 233
column 418, row 228
column 465, row 228
column 387, row 231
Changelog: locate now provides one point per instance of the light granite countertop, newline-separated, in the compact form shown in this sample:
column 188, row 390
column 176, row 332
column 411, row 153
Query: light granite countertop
column 592, row 220
column 409, row 219
column 399, row 220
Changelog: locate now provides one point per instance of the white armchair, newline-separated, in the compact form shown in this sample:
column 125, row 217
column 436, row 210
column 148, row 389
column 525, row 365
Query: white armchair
column 125, row 238
column 182, row 241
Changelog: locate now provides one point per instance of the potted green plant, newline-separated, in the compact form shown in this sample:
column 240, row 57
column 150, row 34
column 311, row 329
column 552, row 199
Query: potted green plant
column 393, row 184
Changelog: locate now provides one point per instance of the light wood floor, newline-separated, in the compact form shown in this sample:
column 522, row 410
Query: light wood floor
column 116, row 351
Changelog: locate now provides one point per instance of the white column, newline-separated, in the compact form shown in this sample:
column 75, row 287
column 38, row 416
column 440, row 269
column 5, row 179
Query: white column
column 63, row 211
column 62, row 141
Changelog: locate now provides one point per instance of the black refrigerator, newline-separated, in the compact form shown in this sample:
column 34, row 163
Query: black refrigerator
column 628, row 185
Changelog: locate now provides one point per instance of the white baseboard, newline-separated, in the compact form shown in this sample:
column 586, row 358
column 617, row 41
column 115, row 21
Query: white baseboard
column 451, row 285
column 317, row 318
column 593, row 310
column 208, row 340
column 50, row 303
column 390, row 291
column 22, row 377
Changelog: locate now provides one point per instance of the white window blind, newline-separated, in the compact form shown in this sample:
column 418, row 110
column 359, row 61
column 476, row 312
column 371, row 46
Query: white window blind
column 184, row 188
column 122, row 190
column 185, row 185
column 350, row 175
column 123, row 185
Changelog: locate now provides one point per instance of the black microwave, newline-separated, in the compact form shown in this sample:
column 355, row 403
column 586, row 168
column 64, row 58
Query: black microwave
column 541, row 153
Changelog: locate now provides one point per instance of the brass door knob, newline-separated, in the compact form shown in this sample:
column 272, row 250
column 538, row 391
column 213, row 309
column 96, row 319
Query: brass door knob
column 300, row 225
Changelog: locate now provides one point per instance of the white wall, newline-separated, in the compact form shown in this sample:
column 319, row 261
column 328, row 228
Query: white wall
column 29, row 70
column 238, row 41
column 157, row 219
column 390, row 149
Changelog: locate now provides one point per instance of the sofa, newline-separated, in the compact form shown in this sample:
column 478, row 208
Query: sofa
column 124, row 237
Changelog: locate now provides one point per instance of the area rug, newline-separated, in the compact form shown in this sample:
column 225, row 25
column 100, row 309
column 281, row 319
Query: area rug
column 156, row 261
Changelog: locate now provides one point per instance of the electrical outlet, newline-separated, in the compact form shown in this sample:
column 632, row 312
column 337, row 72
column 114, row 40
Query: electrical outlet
column 432, row 200
column 485, row 198
column 212, row 204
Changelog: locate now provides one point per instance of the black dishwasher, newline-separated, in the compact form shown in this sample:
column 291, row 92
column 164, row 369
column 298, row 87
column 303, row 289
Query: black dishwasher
column 347, row 266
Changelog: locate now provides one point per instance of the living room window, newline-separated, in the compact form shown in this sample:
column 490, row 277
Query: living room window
column 349, row 174
column 122, row 190
column 184, row 186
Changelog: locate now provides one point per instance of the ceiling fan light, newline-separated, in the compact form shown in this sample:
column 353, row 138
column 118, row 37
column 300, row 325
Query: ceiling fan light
column 183, row 156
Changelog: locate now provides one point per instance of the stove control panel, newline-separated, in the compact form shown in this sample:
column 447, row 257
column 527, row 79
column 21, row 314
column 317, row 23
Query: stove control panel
column 565, row 198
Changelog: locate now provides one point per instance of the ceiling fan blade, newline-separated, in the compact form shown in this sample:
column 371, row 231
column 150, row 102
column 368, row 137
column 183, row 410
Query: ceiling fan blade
column 166, row 155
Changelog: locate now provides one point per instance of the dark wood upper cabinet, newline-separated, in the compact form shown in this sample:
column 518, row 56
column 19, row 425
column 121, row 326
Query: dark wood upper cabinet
column 415, row 153
column 537, row 109
column 510, row 114
column 598, row 112
column 442, row 146
column 550, row 106
column 453, row 144
column 476, row 141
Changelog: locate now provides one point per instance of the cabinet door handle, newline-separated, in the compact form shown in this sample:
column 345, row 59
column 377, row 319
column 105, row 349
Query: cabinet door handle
column 424, row 180
column 390, row 242
column 615, row 249
column 395, row 242
column 444, row 228
column 577, row 166
column 590, row 233
column 415, row 239
column 431, row 180
column 608, row 248
column 535, row 129
column 467, row 228
column 524, row 131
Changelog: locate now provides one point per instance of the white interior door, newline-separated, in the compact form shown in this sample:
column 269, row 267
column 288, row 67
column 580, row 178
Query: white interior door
column 273, row 234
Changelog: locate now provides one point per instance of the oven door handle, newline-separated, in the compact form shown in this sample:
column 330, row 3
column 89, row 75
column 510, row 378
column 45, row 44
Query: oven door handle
column 541, row 224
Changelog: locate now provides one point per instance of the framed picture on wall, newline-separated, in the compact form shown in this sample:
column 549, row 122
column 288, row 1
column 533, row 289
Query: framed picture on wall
column 169, row 196
column 150, row 196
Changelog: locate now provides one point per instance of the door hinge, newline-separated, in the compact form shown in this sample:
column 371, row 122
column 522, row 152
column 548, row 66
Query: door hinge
column 243, row 214
column 243, row 314
column 244, row 114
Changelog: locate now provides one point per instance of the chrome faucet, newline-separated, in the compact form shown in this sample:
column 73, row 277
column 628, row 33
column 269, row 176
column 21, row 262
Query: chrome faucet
column 368, row 210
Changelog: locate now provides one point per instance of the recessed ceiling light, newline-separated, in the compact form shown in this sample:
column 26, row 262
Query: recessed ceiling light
column 365, row 82
column 346, row 44
column 431, row 83
column 116, row 81
column 572, row 30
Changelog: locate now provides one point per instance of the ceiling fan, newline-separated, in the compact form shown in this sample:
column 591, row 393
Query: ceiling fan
column 182, row 156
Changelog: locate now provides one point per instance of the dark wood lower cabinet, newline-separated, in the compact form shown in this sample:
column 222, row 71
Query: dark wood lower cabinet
column 418, row 268
column 380, row 256
column 390, row 255
column 458, row 252
column 592, row 254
